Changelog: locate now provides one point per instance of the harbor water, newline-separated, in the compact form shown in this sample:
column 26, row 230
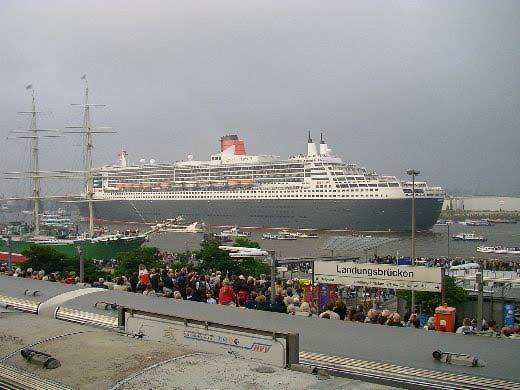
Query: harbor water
column 435, row 243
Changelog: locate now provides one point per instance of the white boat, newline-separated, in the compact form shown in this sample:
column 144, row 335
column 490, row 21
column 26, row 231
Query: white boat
column 499, row 250
column 486, row 249
column 232, row 233
column 469, row 237
column 513, row 251
column 194, row 227
column 477, row 222
column 300, row 234
column 284, row 235
column 309, row 235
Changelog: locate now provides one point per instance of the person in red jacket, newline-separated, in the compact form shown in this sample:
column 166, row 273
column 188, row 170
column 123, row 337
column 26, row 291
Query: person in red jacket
column 226, row 295
column 71, row 278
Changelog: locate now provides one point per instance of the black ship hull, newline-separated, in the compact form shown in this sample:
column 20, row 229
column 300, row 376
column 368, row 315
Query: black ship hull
column 326, row 214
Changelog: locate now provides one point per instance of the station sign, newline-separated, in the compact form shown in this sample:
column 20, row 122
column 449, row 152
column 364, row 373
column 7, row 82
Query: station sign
column 379, row 275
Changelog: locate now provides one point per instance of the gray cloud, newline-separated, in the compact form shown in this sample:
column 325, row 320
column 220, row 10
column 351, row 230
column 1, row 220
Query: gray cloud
column 433, row 84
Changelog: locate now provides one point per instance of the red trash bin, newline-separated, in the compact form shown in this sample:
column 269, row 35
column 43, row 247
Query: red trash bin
column 445, row 318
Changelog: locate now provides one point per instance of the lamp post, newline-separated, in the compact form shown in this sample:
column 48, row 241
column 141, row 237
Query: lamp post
column 81, row 252
column 448, row 226
column 10, row 254
column 413, row 173
column 272, row 257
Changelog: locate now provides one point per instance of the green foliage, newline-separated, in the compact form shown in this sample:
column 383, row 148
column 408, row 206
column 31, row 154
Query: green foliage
column 182, row 261
column 429, row 301
column 213, row 258
column 42, row 257
column 253, row 267
column 128, row 262
column 92, row 273
column 246, row 243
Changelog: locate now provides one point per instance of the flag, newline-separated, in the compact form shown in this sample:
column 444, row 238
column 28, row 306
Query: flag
column 29, row 87
column 84, row 77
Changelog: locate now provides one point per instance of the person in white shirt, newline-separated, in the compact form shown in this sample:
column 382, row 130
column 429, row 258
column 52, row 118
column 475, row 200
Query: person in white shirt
column 466, row 327
column 210, row 299
column 330, row 312
column 305, row 310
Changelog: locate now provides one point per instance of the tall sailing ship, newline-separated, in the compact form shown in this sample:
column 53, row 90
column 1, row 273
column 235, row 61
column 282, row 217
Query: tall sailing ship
column 315, row 190
column 97, row 247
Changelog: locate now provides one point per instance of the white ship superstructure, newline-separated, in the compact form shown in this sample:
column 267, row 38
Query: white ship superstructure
column 232, row 175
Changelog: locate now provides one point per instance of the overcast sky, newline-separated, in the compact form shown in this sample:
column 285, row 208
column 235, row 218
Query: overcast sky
column 432, row 85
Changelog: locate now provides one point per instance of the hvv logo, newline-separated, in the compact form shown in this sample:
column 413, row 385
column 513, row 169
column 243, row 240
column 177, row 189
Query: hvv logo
column 263, row 348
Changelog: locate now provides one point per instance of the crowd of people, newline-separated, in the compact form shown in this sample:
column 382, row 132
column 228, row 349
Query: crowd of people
column 255, row 294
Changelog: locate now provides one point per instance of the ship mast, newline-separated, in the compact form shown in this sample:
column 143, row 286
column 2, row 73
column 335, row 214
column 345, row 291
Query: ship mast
column 35, row 163
column 34, row 135
column 88, row 161
column 88, row 131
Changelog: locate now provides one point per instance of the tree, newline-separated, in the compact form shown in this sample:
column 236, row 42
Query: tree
column 429, row 301
column 246, row 243
column 253, row 267
column 213, row 258
column 128, row 262
column 43, row 257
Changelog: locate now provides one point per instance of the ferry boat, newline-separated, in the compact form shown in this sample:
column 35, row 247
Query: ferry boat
column 232, row 233
column 499, row 250
column 286, row 235
column 282, row 236
column 468, row 237
column 477, row 222
column 304, row 235
column 174, row 226
column 315, row 190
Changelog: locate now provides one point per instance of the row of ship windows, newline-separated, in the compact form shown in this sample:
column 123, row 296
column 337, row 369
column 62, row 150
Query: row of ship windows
column 242, row 197
column 277, row 192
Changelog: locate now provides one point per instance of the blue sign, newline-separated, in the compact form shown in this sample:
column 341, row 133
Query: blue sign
column 404, row 261
column 509, row 314
column 324, row 295
column 423, row 319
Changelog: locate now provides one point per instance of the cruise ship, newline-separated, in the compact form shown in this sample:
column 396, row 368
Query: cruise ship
column 316, row 190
